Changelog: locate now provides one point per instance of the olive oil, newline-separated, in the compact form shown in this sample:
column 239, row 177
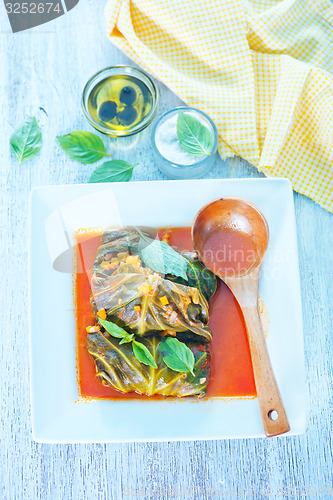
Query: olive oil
column 119, row 103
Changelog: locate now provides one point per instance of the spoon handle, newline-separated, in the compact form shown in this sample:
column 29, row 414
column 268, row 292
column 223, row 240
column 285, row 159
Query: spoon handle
column 272, row 411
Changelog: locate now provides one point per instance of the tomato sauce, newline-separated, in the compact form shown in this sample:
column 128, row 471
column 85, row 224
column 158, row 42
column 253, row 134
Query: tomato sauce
column 231, row 374
column 229, row 253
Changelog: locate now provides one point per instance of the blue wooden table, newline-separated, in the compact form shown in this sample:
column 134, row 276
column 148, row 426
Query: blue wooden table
column 43, row 71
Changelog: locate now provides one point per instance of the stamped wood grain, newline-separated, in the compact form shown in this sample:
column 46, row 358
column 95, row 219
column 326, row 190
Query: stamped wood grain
column 43, row 71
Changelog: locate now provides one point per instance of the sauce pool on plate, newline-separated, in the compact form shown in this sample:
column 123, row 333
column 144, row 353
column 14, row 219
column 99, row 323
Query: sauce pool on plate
column 231, row 368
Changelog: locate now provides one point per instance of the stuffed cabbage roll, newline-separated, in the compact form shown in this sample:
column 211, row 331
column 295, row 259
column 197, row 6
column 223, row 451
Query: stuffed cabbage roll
column 141, row 300
column 117, row 367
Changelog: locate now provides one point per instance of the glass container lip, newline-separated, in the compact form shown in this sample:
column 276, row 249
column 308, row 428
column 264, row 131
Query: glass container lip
column 123, row 70
column 181, row 165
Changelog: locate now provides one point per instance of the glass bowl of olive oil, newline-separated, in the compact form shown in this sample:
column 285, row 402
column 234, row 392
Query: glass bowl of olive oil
column 120, row 101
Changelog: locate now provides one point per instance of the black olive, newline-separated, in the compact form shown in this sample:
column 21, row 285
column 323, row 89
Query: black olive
column 127, row 95
column 107, row 111
column 145, row 92
column 127, row 116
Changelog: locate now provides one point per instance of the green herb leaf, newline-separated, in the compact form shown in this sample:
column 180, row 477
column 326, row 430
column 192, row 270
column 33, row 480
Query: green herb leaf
column 140, row 351
column 112, row 171
column 83, row 146
column 142, row 354
column 131, row 375
column 114, row 330
column 162, row 258
column 127, row 339
column 193, row 136
column 177, row 356
column 26, row 141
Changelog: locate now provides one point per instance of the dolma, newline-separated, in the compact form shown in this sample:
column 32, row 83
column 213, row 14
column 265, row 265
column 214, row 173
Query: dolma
column 117, row 367
column 150, row 306
column 121, row 285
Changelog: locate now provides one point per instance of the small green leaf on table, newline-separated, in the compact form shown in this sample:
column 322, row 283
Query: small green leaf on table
column 26, row 141
column 83, row 146
column 112, row 171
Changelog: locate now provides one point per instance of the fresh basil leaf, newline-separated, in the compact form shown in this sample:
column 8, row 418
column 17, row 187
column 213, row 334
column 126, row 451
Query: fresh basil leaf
column 112, row 171
column 113, row 329
column 177, row 356
column 127, row 339
column 162, row 258
column 140, row 351
column 83, row 146
column 26, row 141
column 142, row 354
column 193, row 136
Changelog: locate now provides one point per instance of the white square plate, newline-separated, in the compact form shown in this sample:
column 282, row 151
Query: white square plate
column 58, row 414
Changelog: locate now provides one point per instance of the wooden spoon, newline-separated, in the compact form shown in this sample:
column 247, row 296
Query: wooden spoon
column 230, row 236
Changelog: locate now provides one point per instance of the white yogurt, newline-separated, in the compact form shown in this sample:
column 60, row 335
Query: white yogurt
column 167, row 142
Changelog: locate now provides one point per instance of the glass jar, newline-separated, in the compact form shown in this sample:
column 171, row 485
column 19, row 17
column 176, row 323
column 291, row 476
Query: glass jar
column 120, row 101
column 171, row 159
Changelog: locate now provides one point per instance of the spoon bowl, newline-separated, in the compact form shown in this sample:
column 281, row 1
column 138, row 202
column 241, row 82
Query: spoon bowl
column 230, row 236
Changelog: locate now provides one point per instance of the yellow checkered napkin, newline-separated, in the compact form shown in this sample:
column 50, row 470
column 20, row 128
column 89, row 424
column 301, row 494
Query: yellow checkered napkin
column 261, row 69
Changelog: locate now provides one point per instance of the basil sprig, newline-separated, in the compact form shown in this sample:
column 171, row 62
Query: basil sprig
column 177, row 356
column 161, row 257
column 26, row 141
column 140, row 351
column 87, row 147
column 80, row 145
column 193, row 136
column 112, row 171
column 83, row 146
